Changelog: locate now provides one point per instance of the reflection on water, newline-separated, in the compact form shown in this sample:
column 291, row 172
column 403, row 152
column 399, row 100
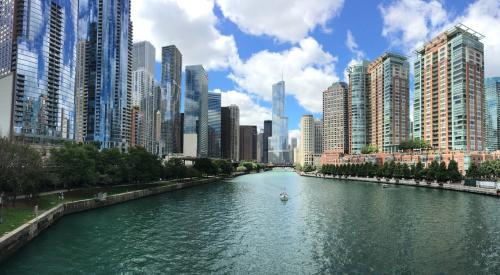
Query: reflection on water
column 242, row 226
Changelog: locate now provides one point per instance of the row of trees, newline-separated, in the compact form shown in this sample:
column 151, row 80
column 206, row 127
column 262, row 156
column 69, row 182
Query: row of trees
column 250, row 166
column 436, row 171
column 487, row 170
column 415, row 144
column 23, row 170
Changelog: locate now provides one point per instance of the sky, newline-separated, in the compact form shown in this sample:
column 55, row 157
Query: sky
column 247, row 45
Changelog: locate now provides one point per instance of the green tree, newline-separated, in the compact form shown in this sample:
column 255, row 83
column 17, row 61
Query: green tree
column 142, row 166
column 432, row 171
column 442, row 173
column 473, row 171
column 205, row 166
column 369, row 149
column 224, row 166
column 453, row 172
column 75, row 165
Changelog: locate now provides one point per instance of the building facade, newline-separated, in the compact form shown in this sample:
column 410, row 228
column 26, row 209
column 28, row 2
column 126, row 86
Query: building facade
column 214, row 125
column 268, row 132
column 307, row 139
column 278, row 142
column 196, row 112
column 449, row 91
column 492, row 113
column 230, row 132
column 171, row 77
column 37, row 69
column 248, row 142
column 358, row 107
column 389, row 99
column 336, row 118
column 106, row 29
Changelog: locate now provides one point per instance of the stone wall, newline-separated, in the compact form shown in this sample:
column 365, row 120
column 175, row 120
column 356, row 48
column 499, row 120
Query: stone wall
column 16, row 239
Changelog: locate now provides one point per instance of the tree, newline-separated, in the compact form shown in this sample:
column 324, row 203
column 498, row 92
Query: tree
column 419, row 172
column 174, row 169
column 442, row 173
column 142, row 166
column 369, row 149
column 224, row 166
column 432, row 171
column 74, row 165
column 205, row 166
column 111, row 167
column 453, row 173
column 473, row 171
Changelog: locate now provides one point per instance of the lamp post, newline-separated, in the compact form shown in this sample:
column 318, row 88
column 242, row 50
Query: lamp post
column 1, row 208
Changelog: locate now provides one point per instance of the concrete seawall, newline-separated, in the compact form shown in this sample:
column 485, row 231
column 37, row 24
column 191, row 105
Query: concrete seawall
column 410, row 182
column 12, row 241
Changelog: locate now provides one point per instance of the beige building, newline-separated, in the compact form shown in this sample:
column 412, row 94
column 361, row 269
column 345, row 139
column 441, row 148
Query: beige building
column 335, row 136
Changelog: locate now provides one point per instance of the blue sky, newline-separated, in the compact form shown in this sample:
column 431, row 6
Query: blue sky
column 244, row 45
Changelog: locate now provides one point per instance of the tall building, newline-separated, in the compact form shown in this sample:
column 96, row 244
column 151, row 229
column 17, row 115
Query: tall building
column 171, row 77
column 389, row 99
column 336, row 118
column 196, row 112
column 80, row 94
column 307, row 139
column 106, row 29
column 248, row 142
column 357, row 107
column 278, row 142
column 448, row 97
column 492, row 113
column 143, row 91
column 214, row 125
column 318, row 136
column 268, row 132
column 37, row 70
column 293, row 148
column 260, row 146
column 230, row 132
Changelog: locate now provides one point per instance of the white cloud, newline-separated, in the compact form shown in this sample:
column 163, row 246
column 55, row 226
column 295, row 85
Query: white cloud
column 428, row 18
column 251, row 113
column 307, row 70
column 287, row 20
column 358, row 55
column 190, row 25
column 408, row 23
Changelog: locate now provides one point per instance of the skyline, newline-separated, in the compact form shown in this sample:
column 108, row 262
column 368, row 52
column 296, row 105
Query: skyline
column 317, row 49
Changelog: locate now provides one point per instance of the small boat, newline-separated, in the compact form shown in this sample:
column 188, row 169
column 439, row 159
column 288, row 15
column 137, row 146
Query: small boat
column 385, row 185
column 283, row 196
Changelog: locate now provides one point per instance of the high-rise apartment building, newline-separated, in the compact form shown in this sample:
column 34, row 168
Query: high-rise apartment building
column 449, row 91
column 230, row 132
column 268, row 132
column 106, row 29
column 278, row 142
column 214, row 125
column 492, row 113
column 80, row 92
column 37, row 70
column 358, row 107
column 307, row 139
column 248, row 142
column 196, row 112
column 389, row 99
column 143, row 96
column 318, row 136
column 260, row 146
column 171, row 77
column 336, row 118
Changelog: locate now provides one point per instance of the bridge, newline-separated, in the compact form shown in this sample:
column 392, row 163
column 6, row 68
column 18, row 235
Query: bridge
column 279, row 165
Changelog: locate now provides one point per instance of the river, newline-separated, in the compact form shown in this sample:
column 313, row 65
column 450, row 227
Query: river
column 241, row 226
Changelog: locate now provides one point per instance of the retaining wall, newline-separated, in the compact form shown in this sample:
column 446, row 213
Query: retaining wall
column 16, row 239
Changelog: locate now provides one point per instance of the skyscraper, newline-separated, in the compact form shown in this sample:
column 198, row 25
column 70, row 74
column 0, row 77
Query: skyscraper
column 278, row 142
column 37, row 67
column 171, row 77
column 357, row 108
column 196, row 112
column 318, row 136
column 143, row 95
column 260, row 146
column 230, row 132
column 336, row 118
column 389, row 99
column 214, row 125
column 307, row 139
column 106, row 29
column 268, row 132
column 492, row 113
column 248, row 142
column 448, row 97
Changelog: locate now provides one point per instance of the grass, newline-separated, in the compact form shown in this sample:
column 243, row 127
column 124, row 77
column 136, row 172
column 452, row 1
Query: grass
column 13, row 217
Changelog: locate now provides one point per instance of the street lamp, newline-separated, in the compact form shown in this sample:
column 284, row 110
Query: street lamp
column 1, row 208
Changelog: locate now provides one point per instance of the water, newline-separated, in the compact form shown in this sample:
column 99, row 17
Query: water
column 241, row 226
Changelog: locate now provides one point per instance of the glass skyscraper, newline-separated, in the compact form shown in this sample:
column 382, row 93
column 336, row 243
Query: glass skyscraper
column 38, row 48
column 196, row 112
column 278, row 143
column 214, row 125
column 107, row 31
column 358, row 104
column 492, row 105
column 171, row 77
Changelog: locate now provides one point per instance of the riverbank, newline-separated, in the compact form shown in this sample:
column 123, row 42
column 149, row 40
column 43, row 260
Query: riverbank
column 410, row 182
column 14, row 240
